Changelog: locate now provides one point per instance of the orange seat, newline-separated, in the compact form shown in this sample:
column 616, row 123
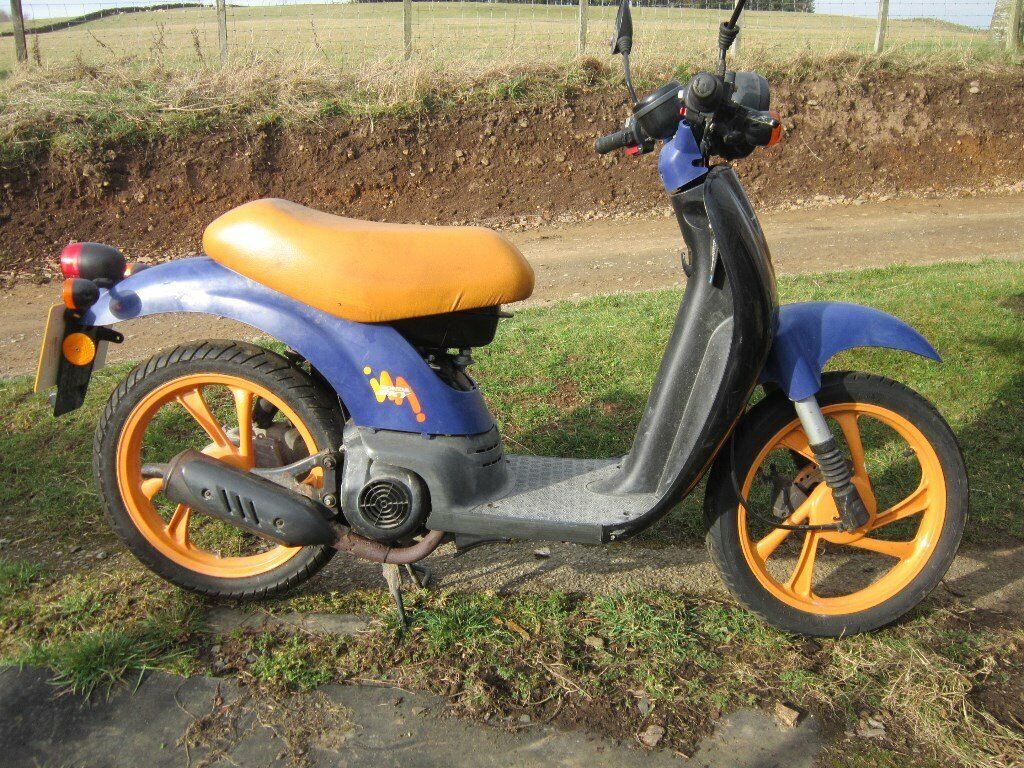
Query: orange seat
column 366, row 271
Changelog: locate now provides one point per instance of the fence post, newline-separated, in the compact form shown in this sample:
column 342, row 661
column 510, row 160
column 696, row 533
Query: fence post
column 407, row 15
column 20, row 48
column 1013, row 26
column 584, row 7
column 222, row 31
column 883, row 22
column 736, row 42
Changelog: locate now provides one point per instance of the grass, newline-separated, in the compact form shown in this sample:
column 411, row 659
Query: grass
column 91, row 628
column 946, row 683
column 480, row 32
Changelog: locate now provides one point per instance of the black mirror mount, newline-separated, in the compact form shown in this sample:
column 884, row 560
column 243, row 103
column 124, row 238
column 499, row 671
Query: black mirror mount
column 622, row 38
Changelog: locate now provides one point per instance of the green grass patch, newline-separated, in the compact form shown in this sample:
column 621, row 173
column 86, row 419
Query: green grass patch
column 290, row 661
column 92, row 628
column 16, row 576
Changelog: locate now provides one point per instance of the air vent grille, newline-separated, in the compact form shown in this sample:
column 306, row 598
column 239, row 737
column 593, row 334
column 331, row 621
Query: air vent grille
column 385, row 504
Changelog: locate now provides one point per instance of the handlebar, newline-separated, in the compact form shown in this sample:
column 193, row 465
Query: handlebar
column 613, row 141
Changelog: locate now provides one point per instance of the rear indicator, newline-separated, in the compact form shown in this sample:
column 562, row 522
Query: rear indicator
column 79, row 294
column 776, row 131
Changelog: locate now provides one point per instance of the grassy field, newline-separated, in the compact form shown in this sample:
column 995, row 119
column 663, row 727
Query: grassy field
column 354, row 34
column 935, row 681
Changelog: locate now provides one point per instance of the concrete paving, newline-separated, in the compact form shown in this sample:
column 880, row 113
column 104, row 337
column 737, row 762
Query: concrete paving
column 171, row 722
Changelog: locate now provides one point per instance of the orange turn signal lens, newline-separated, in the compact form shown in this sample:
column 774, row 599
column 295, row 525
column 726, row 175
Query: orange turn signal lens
column 776, row 131
column 78, row 349
column 78, row 293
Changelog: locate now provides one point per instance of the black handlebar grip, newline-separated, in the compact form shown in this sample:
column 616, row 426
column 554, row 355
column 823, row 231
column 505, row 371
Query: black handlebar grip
column 613, row 141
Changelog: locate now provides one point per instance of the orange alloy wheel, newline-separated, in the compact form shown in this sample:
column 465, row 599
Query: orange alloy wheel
column 171, row 537
column 908, row 557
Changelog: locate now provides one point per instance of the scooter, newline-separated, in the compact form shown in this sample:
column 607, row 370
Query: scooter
column 237, row 472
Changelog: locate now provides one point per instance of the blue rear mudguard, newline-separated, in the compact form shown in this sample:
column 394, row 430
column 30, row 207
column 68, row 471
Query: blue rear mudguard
column 809, row 334
column 363, row 362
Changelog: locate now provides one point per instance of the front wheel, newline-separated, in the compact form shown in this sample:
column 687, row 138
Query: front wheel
column 910, row 473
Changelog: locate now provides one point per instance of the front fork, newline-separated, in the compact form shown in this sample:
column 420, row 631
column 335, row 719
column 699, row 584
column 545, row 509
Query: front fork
column 835, row 469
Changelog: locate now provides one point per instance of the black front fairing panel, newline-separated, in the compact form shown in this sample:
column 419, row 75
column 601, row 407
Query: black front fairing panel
column 716, row 352
column 738, row 232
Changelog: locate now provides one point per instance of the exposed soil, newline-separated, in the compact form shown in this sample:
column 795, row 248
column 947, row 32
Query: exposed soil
column 869, row 136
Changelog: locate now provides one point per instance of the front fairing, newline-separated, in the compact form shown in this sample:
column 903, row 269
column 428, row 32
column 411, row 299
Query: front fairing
column 736, row 228
column 680, row 162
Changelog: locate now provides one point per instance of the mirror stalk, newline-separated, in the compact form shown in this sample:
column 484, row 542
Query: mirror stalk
column 629, row 78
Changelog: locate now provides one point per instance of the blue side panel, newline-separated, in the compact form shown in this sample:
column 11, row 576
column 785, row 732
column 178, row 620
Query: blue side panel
column 680, row 161
column 349, row 355
column 810, row 333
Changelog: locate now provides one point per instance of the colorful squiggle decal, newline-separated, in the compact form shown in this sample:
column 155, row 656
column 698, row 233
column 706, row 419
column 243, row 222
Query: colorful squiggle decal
column 397, row 391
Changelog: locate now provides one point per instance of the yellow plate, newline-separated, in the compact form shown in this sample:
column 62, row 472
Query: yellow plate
column 49, row 353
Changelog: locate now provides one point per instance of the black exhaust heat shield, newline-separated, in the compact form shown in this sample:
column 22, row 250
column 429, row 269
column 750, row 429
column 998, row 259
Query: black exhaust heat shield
column 254, row 504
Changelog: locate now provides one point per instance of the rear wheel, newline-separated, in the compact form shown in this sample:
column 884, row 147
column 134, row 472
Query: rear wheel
column 239, row 403
column 910, row 473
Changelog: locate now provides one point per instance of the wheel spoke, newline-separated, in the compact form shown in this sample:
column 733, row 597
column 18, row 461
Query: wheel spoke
column 243, row 406
column 915, row 503
column 803, row 575
column 851, row 431
column 194, row 402
column 901, row 550
column 151, row 486
column 177, row 528
column 766, row 546
column 797, row 441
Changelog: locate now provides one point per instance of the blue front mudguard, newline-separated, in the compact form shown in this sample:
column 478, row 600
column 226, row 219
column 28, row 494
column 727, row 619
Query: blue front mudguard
column 351, row 356
column 809, row 334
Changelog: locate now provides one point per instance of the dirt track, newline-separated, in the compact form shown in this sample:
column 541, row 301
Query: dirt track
column 626, row 255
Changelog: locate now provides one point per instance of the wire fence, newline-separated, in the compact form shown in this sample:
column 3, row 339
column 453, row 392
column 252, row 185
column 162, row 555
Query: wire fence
column 352, row 33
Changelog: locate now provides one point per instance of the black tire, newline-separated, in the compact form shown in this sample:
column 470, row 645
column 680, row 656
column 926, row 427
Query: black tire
column 758, row 426
column 317, row 409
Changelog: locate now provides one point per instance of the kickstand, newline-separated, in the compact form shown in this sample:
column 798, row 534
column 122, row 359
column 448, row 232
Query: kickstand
column 418, row 574
column 393, row 576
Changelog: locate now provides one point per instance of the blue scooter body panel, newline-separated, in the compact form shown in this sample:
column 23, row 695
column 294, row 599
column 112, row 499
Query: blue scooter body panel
column 381, row 379
column 808, row 334
column 680, row 162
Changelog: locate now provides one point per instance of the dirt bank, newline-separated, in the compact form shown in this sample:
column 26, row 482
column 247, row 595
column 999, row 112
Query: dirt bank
column 868, row 136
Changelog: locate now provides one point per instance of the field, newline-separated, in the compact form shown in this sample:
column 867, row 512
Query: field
column 354, row 34
column 946, row 683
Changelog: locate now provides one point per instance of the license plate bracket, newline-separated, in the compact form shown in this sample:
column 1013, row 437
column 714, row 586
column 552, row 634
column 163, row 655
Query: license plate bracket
column 55, row 370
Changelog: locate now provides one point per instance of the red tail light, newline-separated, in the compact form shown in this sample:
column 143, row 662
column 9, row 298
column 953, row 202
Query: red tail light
column 101, row 263
column 71, row 261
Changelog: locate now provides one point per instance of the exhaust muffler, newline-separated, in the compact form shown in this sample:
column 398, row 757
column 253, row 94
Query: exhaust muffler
column 246, row 501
